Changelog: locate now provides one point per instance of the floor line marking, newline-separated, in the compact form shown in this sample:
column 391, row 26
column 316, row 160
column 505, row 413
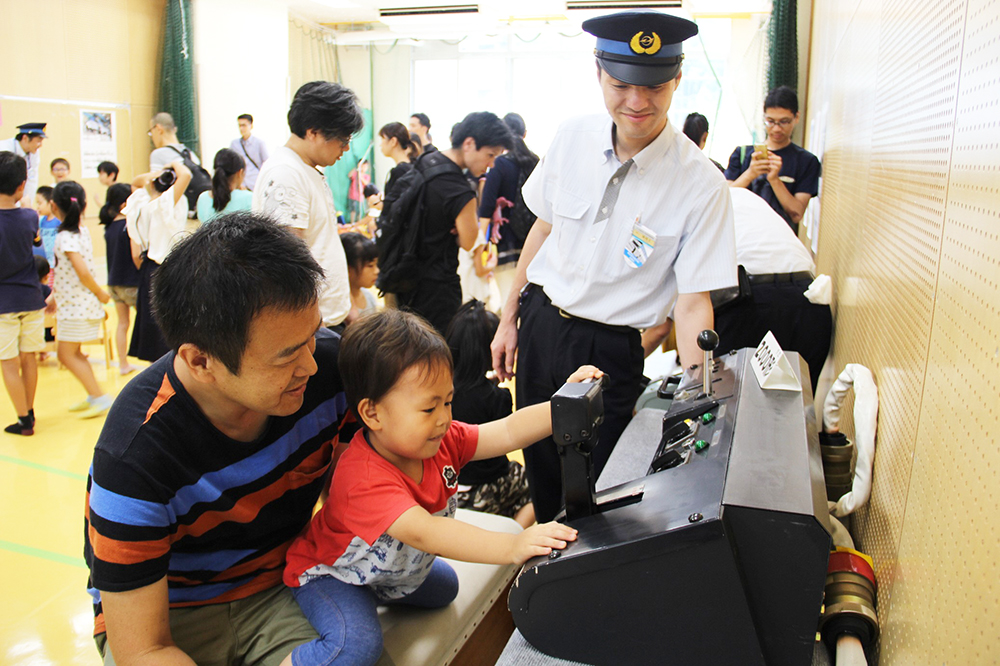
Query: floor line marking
column 43, row 554
column 44, row 468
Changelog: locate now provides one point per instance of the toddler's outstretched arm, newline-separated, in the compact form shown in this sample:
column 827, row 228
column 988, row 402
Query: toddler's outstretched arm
column 525, row 426
column 456, row 540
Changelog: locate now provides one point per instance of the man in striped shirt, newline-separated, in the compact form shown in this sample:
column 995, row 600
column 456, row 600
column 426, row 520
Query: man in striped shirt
column 212, row 459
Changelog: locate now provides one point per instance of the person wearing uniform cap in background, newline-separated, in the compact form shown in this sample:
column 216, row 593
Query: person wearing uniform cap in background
column 26, row 143
column 634, row 223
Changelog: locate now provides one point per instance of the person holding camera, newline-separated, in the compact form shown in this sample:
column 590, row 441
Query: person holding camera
column 156, row 219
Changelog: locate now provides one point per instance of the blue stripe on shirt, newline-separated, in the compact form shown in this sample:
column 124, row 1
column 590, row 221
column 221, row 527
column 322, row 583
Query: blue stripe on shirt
column 213, row 484
column 218, row 560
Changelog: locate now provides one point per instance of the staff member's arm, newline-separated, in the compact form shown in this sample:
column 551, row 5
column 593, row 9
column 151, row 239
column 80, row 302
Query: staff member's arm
column 504, row 343
column 692, row 315
column 138, row 626
column 794, row 204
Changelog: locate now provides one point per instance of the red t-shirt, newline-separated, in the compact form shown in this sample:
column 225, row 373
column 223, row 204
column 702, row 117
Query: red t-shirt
column 347, row 538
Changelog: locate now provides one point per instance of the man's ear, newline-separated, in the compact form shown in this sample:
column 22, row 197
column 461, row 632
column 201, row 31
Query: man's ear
column 469, row 145
column 368, row 413
column 199, row 364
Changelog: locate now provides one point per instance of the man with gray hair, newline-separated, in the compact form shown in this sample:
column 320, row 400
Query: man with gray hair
column 163, row 132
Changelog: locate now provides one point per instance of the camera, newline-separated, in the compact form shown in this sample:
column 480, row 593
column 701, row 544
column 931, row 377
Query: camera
column 163, row 182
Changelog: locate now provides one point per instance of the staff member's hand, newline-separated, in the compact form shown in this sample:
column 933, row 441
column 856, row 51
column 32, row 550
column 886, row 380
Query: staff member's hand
column 504, row 349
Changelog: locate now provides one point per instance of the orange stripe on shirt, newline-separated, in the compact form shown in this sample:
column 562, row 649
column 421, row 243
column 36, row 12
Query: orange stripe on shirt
column 165, row 393
column 247, row 508
column 263, row 582
column 126, row 552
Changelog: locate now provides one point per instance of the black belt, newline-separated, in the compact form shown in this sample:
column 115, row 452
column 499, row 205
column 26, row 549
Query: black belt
column 566, row 315
column 772, row 278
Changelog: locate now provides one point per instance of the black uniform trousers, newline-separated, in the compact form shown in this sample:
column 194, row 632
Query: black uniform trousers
column 551, row 347
column 780, row 307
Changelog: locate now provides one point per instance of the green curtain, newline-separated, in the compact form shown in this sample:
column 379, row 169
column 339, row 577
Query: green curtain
column 176, row 92
column 783, row 52
column 338, row 176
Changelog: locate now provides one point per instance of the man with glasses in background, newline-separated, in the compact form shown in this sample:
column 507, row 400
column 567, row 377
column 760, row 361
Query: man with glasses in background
column 783, row 174
column 292, row 189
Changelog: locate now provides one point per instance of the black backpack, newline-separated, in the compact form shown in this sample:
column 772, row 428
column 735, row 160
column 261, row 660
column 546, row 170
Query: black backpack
column 401, row 225
column 519, row 217
column 201, row 180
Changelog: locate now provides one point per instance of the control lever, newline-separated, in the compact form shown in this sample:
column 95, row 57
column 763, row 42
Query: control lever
column 577, row 411
column 708, row 340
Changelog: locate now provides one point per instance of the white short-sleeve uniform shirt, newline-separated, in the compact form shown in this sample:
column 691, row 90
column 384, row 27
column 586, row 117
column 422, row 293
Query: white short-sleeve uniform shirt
column 672, row 190
column 296, row 194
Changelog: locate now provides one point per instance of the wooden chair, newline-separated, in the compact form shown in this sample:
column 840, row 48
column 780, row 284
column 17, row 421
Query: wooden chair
column 104, row 340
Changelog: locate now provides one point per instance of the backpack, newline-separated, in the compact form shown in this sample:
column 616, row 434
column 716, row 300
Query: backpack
column 201, row 180
column 401, row 225
column 519, row 217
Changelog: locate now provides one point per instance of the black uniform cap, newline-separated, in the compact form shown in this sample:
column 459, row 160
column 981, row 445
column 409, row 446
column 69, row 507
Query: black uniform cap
column 640, row 48
column 33, row 129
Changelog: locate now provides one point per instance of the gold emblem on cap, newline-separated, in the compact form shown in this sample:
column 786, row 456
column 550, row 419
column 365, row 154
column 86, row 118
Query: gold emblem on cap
column 645, row 42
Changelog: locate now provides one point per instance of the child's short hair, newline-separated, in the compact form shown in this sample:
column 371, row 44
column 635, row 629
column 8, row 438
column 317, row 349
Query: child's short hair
column 45, row 191
column 379, row 348
column 42, row 267
column 13, row 172
column 109, row 168
column 59, row 160
column 358, row 250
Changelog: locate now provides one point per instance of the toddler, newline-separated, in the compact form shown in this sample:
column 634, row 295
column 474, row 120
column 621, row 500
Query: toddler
column 362, row 269
column 391, row 503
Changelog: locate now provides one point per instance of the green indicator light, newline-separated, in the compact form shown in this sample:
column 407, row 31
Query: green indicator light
column 707, row 418
column 700, row 445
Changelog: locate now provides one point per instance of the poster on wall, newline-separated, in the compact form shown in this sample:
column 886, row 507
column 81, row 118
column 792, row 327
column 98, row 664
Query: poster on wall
column 97, row 141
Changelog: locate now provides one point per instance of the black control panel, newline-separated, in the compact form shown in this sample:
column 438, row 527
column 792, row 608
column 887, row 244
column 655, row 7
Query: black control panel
column 713, row 551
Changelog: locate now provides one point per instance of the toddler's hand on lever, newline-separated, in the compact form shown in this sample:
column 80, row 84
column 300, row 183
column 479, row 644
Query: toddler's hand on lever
column 583, row 373
column 540, row 540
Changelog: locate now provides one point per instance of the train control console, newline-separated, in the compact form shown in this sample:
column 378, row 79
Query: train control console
column 712, row 551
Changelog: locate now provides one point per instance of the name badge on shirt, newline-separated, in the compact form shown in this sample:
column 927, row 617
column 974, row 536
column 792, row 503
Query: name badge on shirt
column 640, row 246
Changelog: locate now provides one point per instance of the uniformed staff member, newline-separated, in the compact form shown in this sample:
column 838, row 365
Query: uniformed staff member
column 633, row 222
column 26, row 143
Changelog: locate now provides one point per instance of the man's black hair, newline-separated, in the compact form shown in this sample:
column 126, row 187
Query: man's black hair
column 109, row 168
column 782, row 97
column 245, row 116
column 13, row 172
column 215, row 282
column 327, row 108
column 422, row 119
column 484, row 128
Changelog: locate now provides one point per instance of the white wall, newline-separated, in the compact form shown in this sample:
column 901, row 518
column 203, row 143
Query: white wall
column 390, row 97
column 241, row 66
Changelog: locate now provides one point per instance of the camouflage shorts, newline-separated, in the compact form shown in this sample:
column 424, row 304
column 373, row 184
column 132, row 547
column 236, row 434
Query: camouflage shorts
column 504, row 497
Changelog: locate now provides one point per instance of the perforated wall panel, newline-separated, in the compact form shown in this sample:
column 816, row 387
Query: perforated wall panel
column 914, row 251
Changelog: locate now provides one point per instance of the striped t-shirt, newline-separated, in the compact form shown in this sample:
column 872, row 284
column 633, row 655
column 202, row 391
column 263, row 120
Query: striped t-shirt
column 170, row 495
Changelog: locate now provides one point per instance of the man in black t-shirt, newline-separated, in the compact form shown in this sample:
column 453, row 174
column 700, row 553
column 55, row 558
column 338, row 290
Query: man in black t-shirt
column 785, row 175
column 450, row 217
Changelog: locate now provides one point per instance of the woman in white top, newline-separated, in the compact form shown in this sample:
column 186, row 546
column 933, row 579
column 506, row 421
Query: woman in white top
column 79, row 298
column 226, row 195
column 156, row 219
